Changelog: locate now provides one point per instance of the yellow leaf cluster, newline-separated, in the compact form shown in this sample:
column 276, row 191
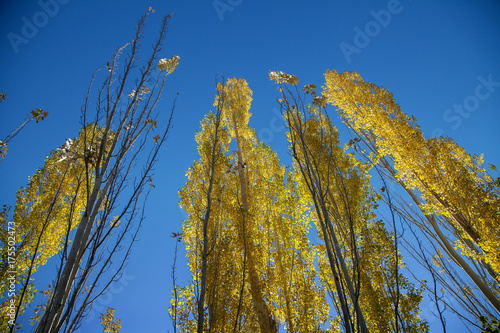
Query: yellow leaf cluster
column 264, row 246
column 50, row 206
column 452, row 184
column 109, row 322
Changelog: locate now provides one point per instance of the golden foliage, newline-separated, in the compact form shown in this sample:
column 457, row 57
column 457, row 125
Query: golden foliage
column 48, row 209
column 265, row 245
column 452, row 184
column 109, row 322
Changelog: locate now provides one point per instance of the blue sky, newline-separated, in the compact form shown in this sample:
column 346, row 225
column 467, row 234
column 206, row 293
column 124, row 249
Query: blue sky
column 439, row 58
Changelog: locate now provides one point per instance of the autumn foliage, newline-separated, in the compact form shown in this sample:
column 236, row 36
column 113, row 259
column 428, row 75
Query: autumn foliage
column 248, row 231
column 320, row 245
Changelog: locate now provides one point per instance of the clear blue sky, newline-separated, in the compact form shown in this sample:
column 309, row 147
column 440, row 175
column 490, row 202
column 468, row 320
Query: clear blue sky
column 437, row 57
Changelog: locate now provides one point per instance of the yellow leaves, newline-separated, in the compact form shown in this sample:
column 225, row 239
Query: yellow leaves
column 280, row 77
column 168, row 65
column 40, row 308
column 276, row 222
column 115, row 222
column 156, row 138
column 182, row 305
column 327, row 168
column 150, row 181
column 38, row 114
column 236, row 98
column 309, row 89
column 3, row 149
column 151, row 122
column 319, row 101
column 452, row 185
column 109, row 322
column 52, row 202
column 142, row 90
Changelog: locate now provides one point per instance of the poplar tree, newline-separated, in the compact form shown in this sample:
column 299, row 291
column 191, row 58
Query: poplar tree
column 85, row 203
column 260, row 265
column 457, row 197
column 46, row 211
column 362, row 266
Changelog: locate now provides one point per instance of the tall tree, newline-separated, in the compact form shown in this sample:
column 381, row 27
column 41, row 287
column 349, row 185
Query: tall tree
column 451, row 188
column 236, row 115
column 272, row 279
column 363, row 263
column 45, row 212
column 72, row 203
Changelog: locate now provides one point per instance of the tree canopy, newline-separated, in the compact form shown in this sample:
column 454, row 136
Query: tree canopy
column 322, row 244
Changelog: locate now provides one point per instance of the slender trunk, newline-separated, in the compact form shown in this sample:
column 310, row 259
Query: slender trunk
column 286, row 289
column 201, row 302
column 326, row 225
column 336, row 277
column 242, row 288
column 51, row 318
column 259, row 304
column 483, row 287
column 37, row 247
column 495, row 302
column 345, row 272
column 48, row 321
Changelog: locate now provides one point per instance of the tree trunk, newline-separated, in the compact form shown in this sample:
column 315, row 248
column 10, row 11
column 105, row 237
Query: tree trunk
column 266, row 322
